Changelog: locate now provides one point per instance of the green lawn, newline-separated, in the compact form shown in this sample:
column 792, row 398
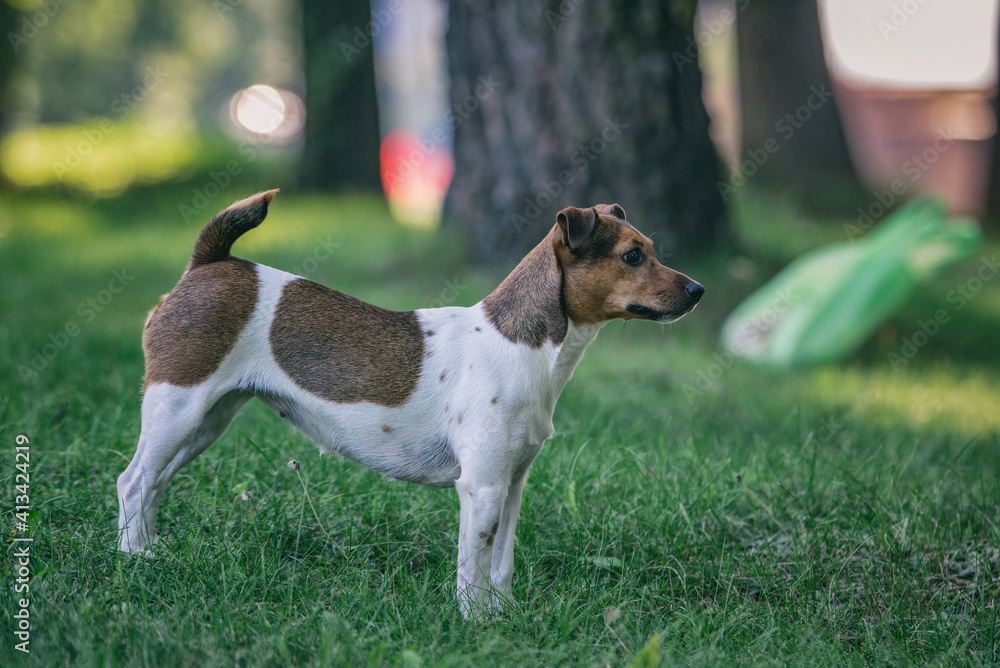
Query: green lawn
column 847, row 515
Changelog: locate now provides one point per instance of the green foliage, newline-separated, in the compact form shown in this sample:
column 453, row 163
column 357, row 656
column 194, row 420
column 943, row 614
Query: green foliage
column 842, row 516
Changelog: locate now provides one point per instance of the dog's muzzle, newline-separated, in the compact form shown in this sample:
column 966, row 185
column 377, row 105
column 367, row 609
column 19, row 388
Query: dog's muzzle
column 693, row 291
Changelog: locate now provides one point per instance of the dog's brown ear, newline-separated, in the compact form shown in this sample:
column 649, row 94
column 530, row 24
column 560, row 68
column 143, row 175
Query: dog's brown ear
column 611, row 210
column 577, row 225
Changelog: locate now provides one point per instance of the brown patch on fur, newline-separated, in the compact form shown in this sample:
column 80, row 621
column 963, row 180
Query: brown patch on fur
column 441, row 377
column 527, row 307
column 496, row 525
column 494, row 401
column 483, row 534
column 479, row 329
column 490, row 538
column 459, row 419
column 387, row 429
column 429, row 332
column 154, row 310
column 191, row 330
column 343, row 349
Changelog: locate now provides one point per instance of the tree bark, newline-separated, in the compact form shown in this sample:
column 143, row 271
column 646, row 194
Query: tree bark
column 993, row 205
column 9, row 25
column 341, row 134
column 578, row 103
column 782, row 64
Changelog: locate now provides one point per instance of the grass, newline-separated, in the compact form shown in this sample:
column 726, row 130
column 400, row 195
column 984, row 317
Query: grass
column 846, row 515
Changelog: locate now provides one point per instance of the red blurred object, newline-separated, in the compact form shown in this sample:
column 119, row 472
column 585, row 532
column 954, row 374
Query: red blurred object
column 412, row 167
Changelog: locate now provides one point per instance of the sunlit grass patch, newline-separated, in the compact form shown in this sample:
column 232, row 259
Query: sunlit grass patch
column 101, row 156
column 936, row 397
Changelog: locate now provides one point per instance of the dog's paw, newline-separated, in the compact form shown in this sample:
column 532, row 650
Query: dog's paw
column 139, row 548
column 491, row 605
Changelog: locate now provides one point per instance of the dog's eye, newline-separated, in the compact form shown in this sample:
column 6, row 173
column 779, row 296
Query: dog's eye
column 634, row 257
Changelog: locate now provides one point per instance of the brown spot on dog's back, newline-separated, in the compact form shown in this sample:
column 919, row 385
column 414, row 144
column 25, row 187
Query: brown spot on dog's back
column 489, row 539
column 494, row 401
column 441, row 377
column 343, row 349
column 429, row 332
column 483, row 534
column 193, row 328
column 387, row 429
column 496, row 525
column 459, row 419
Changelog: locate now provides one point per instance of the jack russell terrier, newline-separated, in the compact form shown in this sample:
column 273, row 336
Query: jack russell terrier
column 449, row 396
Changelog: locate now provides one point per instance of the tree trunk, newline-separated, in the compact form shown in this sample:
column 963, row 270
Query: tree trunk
column 993, row 205
column 781, row 65
column 578, row 103
column 341, row 135
column 10, row 29
column 10, row 24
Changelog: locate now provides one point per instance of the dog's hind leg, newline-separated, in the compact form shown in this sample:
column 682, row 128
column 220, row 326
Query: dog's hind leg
column 178, row 424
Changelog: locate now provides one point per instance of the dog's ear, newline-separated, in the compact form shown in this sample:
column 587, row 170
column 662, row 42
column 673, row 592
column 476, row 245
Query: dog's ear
column 577, row 225
column 611, row 210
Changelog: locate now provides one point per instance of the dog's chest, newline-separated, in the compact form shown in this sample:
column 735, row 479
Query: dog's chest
column 478, row 393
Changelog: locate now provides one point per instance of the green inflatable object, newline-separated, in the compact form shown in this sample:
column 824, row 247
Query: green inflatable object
column 825, row 304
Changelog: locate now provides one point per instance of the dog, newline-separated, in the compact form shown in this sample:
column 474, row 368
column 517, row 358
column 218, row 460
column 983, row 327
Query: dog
column 444, row 397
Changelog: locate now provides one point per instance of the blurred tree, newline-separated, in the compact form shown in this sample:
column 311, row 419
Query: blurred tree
column 782, row 69
column 9, row 20
column 993, row 206
column 81, row 60
column 342, row 136
column 578, row 103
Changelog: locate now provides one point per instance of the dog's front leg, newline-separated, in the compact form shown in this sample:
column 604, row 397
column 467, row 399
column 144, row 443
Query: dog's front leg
column 481, row 507
column 503, row 548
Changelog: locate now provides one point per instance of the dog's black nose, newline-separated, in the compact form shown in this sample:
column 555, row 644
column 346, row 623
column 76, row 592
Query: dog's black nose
column 694, row 290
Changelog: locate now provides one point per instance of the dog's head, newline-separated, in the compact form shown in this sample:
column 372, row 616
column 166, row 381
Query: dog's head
column 610, row 270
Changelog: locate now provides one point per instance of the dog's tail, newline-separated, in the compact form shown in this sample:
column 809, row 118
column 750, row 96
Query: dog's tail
column 217, row 238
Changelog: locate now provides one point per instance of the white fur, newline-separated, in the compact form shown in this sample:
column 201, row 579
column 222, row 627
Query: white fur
column 486, row 455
